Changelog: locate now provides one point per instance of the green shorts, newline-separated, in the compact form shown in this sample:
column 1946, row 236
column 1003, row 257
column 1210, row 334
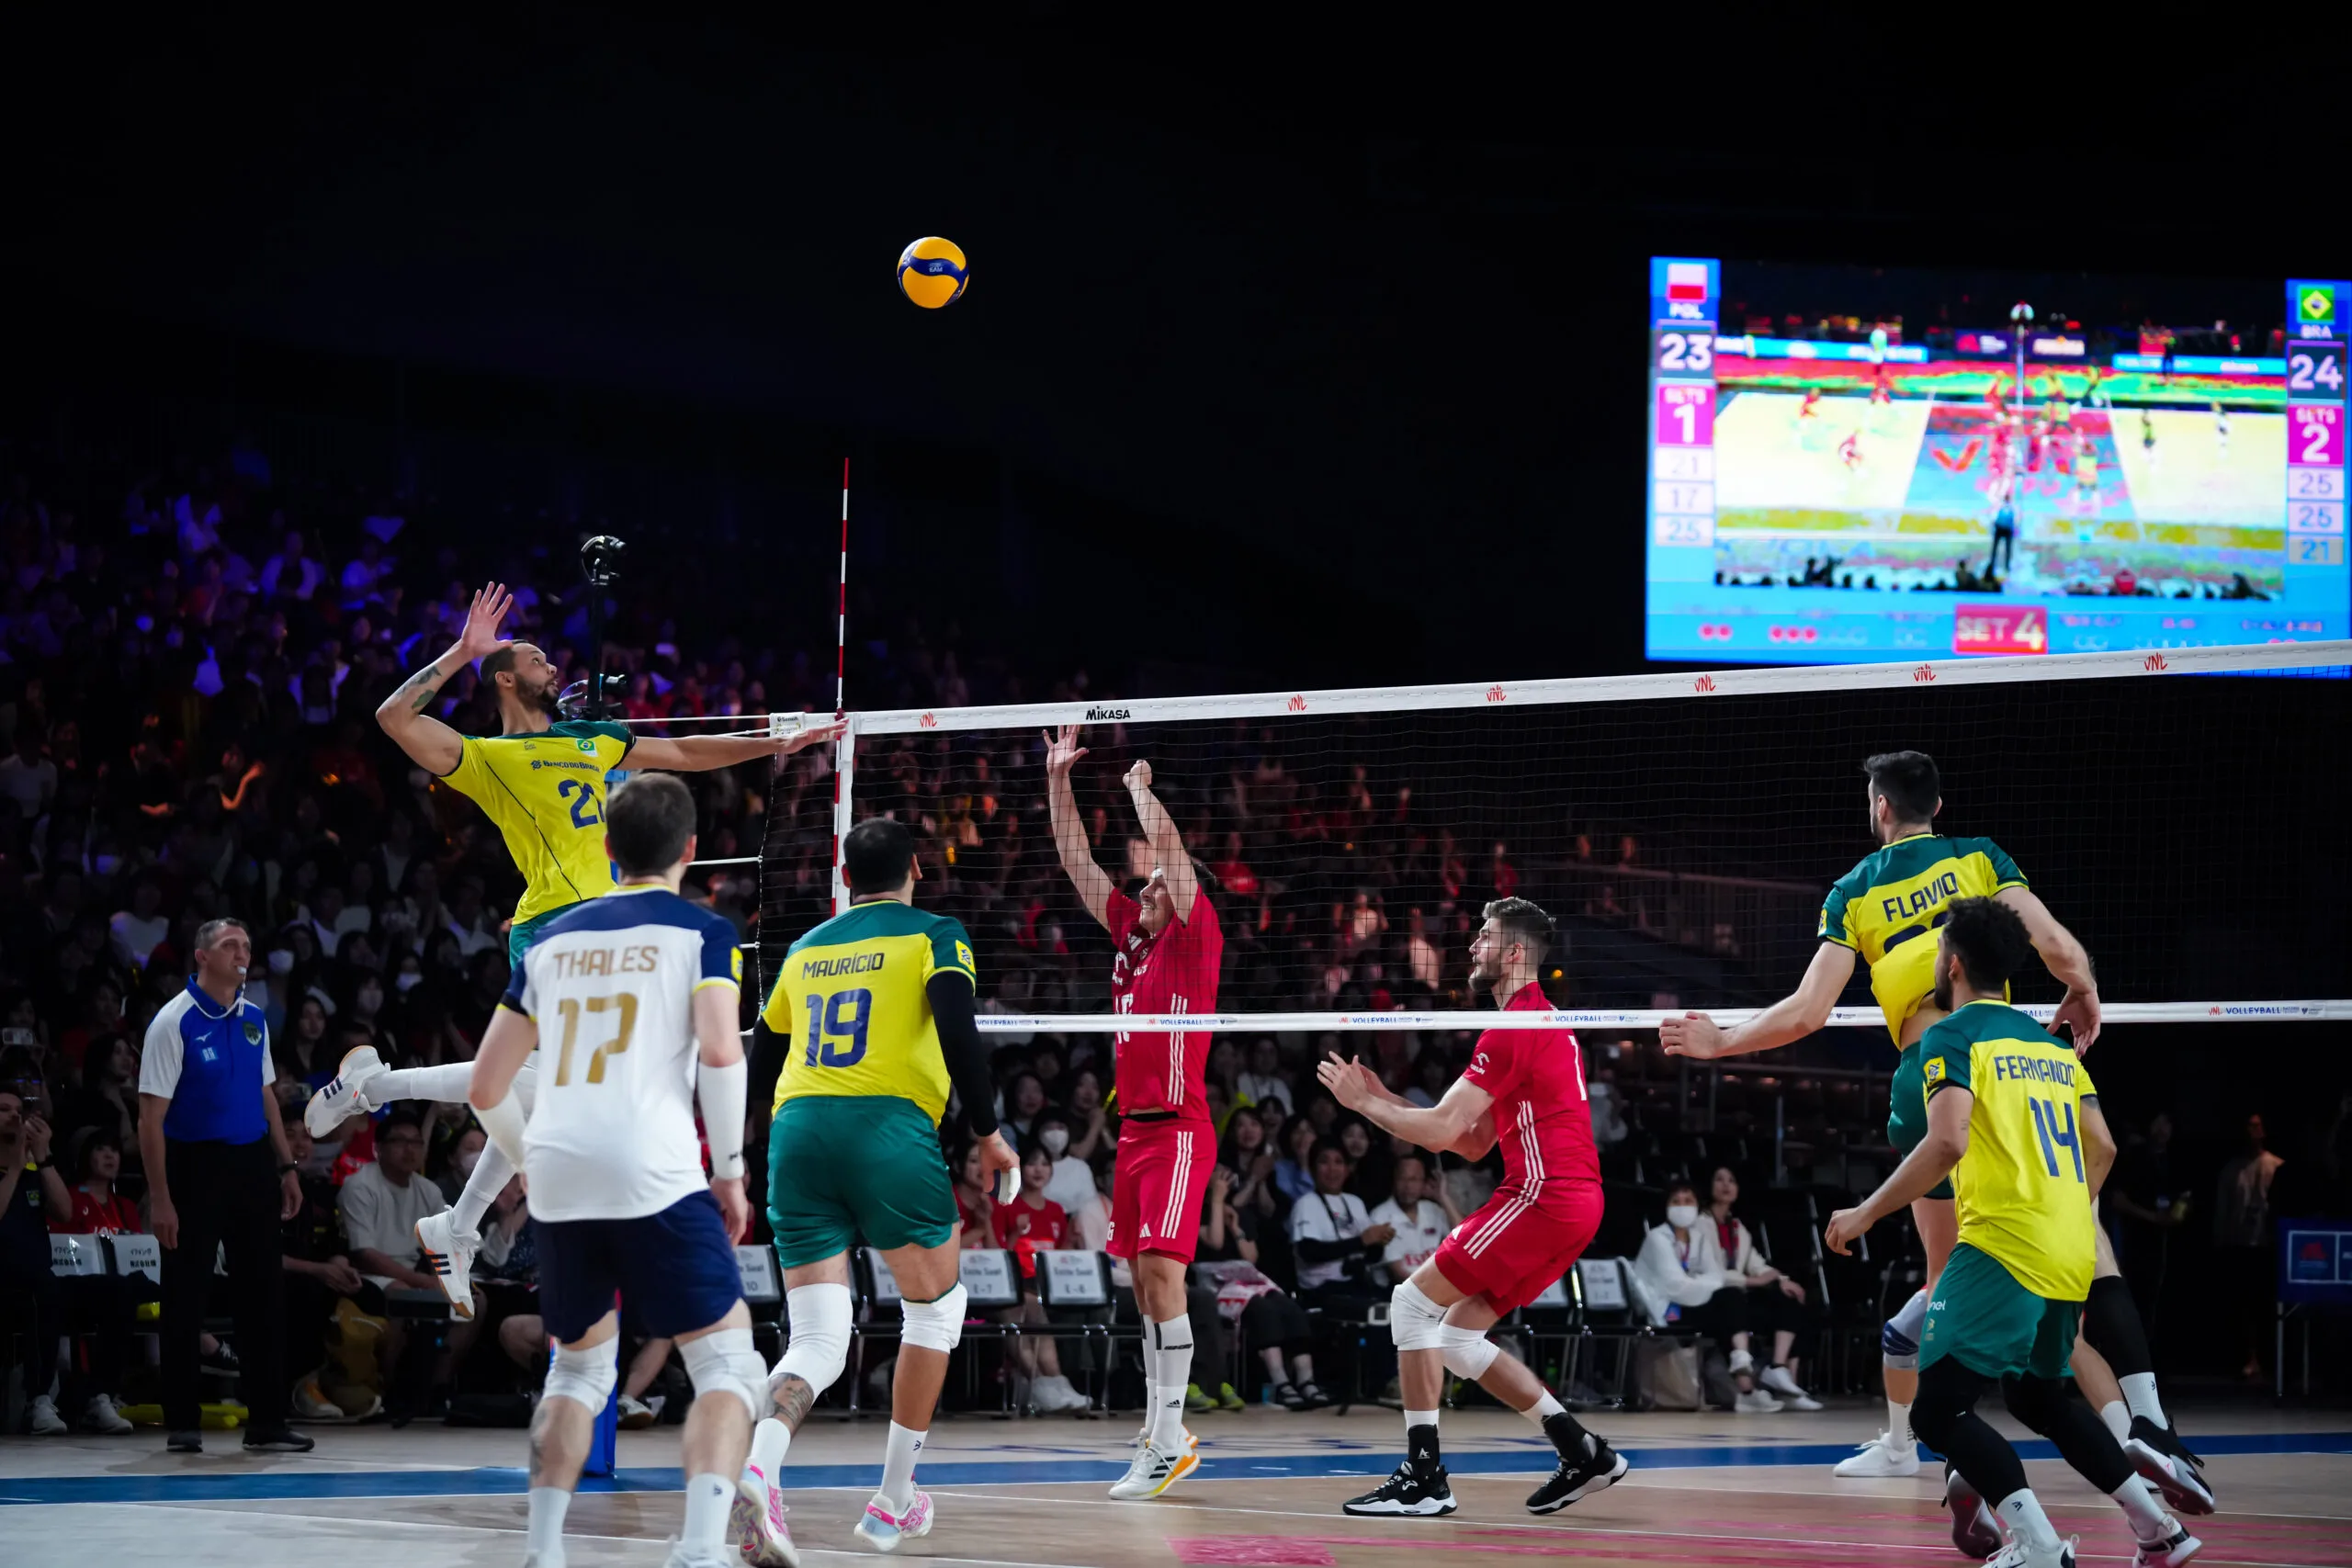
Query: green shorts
column 850, row 1170
column 1995, row 1325
column 1906, row 1113
column 522, row 933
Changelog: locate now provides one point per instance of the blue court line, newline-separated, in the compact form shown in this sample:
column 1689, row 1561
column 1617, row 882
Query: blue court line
column 496, row 1481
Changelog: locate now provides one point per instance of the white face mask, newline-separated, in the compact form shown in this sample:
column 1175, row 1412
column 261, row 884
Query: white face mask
column 466, row 1160
column 1056, row 1140
column 1682, row 1217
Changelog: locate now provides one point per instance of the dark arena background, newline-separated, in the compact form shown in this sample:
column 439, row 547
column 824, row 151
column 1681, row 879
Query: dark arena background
column 1473, row 469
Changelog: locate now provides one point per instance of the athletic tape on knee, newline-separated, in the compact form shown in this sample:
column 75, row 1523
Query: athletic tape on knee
column 1468, row 1351
column 1415, row 1322
column 727, row 1362
column 818, row 1318
column 934, row 1325
column 586, row 1377
column 1898, row 1342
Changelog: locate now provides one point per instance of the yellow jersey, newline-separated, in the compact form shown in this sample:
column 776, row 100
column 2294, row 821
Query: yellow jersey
column 851, row 1000
column 2023, row 1186
column 546, row 792
column 1888, row 906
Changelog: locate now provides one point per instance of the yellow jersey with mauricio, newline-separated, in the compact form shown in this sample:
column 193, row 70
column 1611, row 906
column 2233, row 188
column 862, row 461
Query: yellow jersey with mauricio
column 852, row 1002
column 2024, row 1186
column 1888, row 906
column 546, row 792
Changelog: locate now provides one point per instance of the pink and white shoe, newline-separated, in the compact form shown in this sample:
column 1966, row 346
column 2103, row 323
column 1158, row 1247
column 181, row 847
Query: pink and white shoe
column 756, row 1523
column 884, row 1531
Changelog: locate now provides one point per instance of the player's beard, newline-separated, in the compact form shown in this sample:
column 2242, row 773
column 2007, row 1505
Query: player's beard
column 1486, row 976
column 545, row 698
column 1941, row 995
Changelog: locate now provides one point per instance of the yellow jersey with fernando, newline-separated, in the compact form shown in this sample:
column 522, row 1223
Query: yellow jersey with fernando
column 853, row 1005
column 545, row 791
column 2023, row 1187
column 1888, row 907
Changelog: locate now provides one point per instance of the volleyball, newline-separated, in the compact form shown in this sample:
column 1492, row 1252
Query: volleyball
column 931, row 272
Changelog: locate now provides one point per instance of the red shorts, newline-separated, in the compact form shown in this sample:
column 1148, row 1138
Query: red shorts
column 1511, row 1253
column 1157, row 1186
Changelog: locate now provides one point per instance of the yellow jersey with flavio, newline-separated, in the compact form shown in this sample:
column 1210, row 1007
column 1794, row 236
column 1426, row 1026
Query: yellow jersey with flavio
column 852, row 1001
column 1888, row 906
column 2023, row 1186
column 546, row 792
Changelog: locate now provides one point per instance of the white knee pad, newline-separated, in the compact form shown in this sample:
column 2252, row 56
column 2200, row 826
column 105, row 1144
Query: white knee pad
column 587, row 1376
column 1468, row 1352
column 726, row 1361
column 1415, row 1322
column 934, row 1325
column 820, row 1318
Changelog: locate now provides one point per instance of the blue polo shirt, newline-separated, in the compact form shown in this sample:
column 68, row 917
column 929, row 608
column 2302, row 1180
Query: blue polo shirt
column 214, row 1065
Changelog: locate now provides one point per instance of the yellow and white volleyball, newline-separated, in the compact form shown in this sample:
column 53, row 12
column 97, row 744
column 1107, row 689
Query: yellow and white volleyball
column 931, row 272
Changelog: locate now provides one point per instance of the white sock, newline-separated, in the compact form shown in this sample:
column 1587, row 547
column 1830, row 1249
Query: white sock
column 2139, row 1392
column 709, row 1499
column 2145, row 1509
column 2021, row 1511
column 1419, row 1418
column 1172, row 1339
column 544, row 1530
column 771, row 1440
column 449, row 1085
column 898, row 1468
column 1898, row 1425
column 1543, row 1409
column 2118, row 1419
column 492, row 1171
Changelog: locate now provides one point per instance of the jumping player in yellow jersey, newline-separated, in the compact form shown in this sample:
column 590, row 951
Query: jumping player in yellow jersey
column 1886, row 910
column 870, row 1024
column 2013, row 1121
column 543, row 783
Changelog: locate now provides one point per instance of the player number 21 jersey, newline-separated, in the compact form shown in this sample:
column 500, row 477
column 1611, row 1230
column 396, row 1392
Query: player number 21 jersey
column 546, row 793
column 611, row 985
column 852, row 1001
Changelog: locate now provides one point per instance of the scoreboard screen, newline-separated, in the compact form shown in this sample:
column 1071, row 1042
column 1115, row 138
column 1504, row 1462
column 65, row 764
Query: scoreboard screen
column 1850, row 465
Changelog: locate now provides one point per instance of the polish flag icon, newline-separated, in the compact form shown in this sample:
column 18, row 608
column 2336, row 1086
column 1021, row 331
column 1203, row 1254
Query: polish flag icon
column 1686, row 280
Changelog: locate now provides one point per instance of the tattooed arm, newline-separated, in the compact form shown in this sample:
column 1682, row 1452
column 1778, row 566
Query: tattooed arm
column 430, row 743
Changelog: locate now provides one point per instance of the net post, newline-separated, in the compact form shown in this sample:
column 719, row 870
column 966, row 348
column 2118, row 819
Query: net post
column 844, row 764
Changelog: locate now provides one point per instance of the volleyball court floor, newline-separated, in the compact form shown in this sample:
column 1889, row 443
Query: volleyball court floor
column 1706, row 1492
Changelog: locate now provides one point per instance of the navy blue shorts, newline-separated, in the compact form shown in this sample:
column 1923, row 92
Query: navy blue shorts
column 675, row 1269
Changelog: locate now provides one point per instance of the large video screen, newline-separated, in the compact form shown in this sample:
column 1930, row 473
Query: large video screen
column 1858, row 466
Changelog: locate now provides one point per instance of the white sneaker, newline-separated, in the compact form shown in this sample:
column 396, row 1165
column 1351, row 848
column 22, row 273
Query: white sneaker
column 755, row 1524
column 2018, row 1554
column 450, row 1257
column 1880, row 1459
column 684, row 1556
column 101, row 1417
column 1152, row 1472
column 2177, row 1547
column 43, row 1420
column 884, row 1531
column 1057, row 1393
column 1755, row 1402
column 636, row 1415
column 345, row 1095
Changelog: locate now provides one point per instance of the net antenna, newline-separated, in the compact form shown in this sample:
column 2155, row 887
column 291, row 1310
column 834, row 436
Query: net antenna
column 846, row 745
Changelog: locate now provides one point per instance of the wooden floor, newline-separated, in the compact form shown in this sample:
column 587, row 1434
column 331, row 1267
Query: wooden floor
column 1706, row 1490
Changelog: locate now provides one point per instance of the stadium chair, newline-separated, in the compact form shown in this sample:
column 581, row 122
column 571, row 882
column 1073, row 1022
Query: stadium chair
column 875, row 1298
column 1080, row 1283
column 763, row 1293
column 1605, row 1311
column 992, row 1280
column 1551, row 1319
column 426, row 1313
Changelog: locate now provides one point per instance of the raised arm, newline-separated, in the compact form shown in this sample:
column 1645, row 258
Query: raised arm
column 1167, row 841
column 1794, row 1016
column 701, row 753
column 431, row 744
column 1093, row 885
column 1452, row 1125
column 2065, row 958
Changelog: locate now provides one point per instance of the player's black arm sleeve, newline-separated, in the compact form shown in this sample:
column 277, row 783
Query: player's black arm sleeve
column 769, row 1053
column 953, row 1014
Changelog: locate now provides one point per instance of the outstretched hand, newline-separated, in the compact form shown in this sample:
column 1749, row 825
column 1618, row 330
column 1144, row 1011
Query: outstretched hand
column 1137, row 778
column 1062, row 751
column 1694, row 1035
column 490, row 607
column 809, row 735
column 1350, row 1081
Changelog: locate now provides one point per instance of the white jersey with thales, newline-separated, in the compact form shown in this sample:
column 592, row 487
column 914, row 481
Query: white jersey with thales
column 610, row 985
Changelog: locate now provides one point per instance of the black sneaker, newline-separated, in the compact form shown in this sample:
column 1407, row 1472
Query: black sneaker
column 1974, row 1530
column 184, row 1443
column 1577, row 1479
column 2164, row 1439
column 220, row 1361
column 1410, row 1493
column 2177, row 1478
column 281, row 1441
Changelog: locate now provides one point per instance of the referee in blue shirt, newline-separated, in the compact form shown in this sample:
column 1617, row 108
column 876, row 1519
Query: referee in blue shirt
column 219, row 1175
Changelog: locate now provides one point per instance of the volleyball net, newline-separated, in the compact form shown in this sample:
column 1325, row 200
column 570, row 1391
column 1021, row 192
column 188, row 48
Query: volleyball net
column 2180, row 816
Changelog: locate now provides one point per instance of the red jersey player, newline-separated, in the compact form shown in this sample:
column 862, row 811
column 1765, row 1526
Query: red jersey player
column 1524, row 1089
column 1170, row 946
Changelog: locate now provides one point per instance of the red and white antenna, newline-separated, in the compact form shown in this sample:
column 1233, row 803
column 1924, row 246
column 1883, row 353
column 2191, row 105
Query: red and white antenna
column 845, row 745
